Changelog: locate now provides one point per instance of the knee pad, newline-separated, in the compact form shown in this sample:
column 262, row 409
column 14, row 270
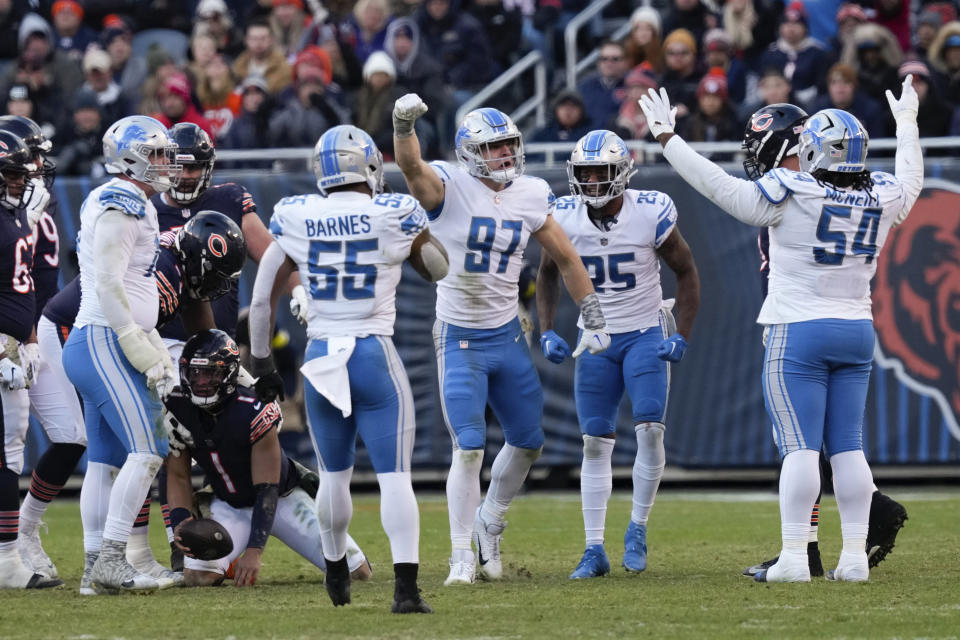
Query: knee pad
column 147, row 461
column 594, row 446
column 649, row 433
column 471, row 439
column 648, row 410
column 597, row 427
column 532, row 440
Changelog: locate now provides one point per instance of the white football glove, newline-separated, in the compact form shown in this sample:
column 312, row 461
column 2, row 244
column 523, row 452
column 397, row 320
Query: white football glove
column 592, row 340
column 139, row 349
column 30, row 361
column 656, row 108
column 179, row 435
column 406, row 110
column 909, row 103
column 299, row 303
column 38, row 202
column 12, row 376
column 160, row 378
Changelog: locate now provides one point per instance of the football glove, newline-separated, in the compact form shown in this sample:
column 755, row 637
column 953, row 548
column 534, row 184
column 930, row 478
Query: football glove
column 140, row 350
column 908, row 104
column 269, row 385
column 554, row 348
column 179, row 435
column 593, row 340
column 38, row 202
column 12, row 375
column 656, row 108
column 299, row 303
column 406, row 110
column 30, row 361
column 672, row 349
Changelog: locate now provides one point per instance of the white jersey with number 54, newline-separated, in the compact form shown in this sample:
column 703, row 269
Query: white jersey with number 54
column 349, row 249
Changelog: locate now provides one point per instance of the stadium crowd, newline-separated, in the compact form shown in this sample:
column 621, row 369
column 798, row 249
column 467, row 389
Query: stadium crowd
column 278, row 73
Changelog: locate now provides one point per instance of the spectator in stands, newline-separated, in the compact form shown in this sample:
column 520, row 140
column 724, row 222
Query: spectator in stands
column 713, row 118
column 935, row 117
column 336, row 36
column 160, row 66
column 250, row 128
column 219, row 100
column 630, row 123
column 306, row 115
column 417, row 71
column 72, row 36
column 176, row 104
column 843, row 93
column 203, row 50
column 369, row 21
column 80, row 147
column 373, row 107
column 129, row 71
column 895, row 16
column 604, row 90
column 313, row 63
column 568, row 123
column 643, row 43
column 458, row 42
column 683, row 73
column 692, row 15
column 287, row 22
column 718, row 53
column 99, row 81
column 802, row 59
column 773, row 88
column 213, row 19
column 849, row 17
column 752, row 27
column 944, row 55
column 10, row 16
column 875, row 54
column 503, row 24
column 19, row 101
column 928, row 24
column 261, row 57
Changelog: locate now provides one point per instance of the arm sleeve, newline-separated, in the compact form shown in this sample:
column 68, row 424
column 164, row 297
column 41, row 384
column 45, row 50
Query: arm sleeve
column 114, row 238
column 260, row 309
column 908, row 164
column 740, row 198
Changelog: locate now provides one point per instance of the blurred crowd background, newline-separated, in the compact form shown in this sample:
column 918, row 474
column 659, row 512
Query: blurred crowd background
column 277, row 73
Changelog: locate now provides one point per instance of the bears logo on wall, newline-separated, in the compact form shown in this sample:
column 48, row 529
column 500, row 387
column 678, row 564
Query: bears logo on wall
column 916, row 300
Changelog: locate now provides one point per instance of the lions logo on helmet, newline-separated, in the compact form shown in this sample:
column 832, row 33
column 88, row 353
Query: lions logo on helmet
column 140, row 148
column 347, row 155
column 209, row 366
column 833, row 140
column 604, row 150
column 211, row 251
column 479, row 133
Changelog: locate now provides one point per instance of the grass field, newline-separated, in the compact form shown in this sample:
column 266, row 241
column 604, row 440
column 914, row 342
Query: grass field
column 692, row 588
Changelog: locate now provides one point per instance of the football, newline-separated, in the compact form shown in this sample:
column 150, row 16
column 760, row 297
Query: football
column 207, row 539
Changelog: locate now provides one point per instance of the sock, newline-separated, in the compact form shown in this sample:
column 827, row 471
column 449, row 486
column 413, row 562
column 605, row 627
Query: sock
column 507, row 474
column 128, row 493
column 334, row 511
column 596, row 483
column 51, row 473
column 95, row 502
column 813, row 533
column 463, row 497
column 405, row 575
column 799, row 486
column 9, row 505
column 853, row 486
column 647, row 469
column 400, row 516
column 162, row 498
column 138, row 546
column 143, row 517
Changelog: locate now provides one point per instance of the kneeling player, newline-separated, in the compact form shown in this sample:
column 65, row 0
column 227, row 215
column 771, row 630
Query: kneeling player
column 233, row 437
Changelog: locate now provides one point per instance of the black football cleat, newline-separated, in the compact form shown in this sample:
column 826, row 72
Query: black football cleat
column 337, row 581
column 406, row 596
column 813, row 557
column 886, row 519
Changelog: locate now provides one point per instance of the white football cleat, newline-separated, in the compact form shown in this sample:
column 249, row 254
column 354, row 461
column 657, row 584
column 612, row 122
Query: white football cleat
column 791, row 567
column 486, row 538
column 853, row 567
column 460, row 573
column 112, row 571
column 32, row 553
column 15, row 575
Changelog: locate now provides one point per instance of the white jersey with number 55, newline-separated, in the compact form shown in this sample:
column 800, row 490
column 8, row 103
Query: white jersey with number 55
column 484, row 232
column 349, row 249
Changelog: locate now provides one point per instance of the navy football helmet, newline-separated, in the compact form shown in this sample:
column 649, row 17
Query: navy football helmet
column 194, row 150
column 38, row 143
column 209, row 365
column 772, row 134
column 16, row 167
column 211, row 251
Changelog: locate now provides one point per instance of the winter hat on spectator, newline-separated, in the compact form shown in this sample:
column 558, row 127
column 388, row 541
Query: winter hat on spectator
column 795, row 12
column 568, row 95
column 916, row 67
column 156, row 58
column 952, row 41
column 109, row 35
column 946, row 11
column 379, row 61
column 648, row 15
column 295, row 3
column 682, row 36
column 714, row 83
column 86, row 99
column 178, row 85
column 930, row 18
column 30, row 25
column 254, row 80
column 18, row 91
column 67, row 5
column 97, row 59
column 849, row 10
column 716, row 40
column 641, row 75
column 316, row 56
column 210, row 8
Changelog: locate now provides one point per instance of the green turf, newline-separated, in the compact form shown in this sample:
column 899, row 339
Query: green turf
column 692, row 589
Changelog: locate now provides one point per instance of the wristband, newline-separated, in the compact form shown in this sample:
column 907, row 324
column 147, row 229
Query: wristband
column 178, row 515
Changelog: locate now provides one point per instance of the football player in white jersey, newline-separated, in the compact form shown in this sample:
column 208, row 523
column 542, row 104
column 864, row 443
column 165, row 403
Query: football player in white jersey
column 114, row 355
column 621, row 234
column 349, row 243
column 484, row 211
column 827, row 222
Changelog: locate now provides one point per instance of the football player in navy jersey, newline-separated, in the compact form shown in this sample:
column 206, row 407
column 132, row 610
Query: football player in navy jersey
column 19, row 356
column 258, row 491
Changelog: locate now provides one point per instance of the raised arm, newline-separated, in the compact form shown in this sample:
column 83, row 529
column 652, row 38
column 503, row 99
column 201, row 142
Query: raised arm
column 909, row 159
column 424, row 185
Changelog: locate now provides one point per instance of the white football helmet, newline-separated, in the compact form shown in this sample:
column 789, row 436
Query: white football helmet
column 346, row 154
column 834, row 140
column 480, row 129
column 139, row 147
column 599, row 148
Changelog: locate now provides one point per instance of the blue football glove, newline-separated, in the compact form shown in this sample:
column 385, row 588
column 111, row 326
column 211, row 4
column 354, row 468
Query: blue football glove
column 554, row 348
column 672, row 349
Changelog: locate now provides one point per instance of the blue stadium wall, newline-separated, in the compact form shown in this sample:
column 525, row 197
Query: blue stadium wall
column 716, row 416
